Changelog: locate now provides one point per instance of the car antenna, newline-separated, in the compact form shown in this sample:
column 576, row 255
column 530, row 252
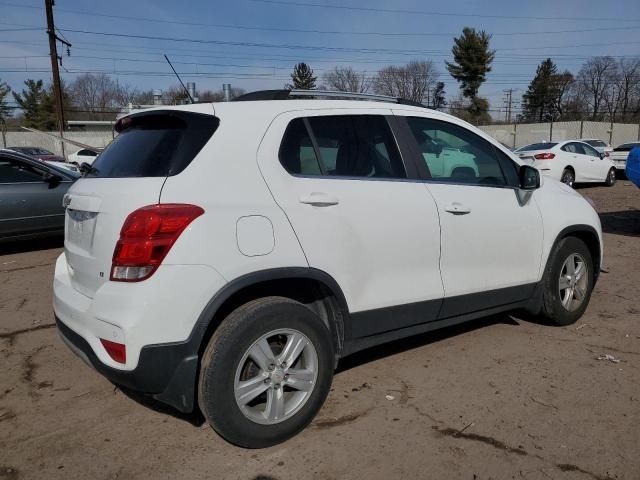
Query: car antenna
column 179, row 79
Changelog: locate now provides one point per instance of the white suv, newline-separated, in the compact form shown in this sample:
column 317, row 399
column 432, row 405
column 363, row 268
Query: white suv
column 224, row 257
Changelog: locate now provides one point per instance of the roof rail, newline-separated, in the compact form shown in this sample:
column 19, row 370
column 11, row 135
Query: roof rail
column 286, row 94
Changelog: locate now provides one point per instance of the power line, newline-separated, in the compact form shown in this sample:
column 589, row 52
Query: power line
column 435, row 13
column 314, row 31
column 309, row 47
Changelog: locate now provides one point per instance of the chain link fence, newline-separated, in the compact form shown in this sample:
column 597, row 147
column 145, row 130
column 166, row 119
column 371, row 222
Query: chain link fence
column 521, row 134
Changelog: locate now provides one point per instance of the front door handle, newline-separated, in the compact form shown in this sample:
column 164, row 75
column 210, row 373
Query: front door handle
column 319, row 199
column 457, row 208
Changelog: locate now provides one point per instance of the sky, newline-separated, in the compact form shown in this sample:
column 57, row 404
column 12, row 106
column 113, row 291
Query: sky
column 253, row 44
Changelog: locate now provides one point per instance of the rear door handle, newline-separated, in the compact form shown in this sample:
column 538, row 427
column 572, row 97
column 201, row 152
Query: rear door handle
column 457, row 208
column 319, row 199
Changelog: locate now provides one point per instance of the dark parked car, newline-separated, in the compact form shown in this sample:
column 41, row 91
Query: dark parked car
column 39, row 153
column 31, row 197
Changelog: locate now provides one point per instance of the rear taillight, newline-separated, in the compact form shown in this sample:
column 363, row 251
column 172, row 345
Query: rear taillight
column 117, row 351
column 544, row 156
column 607, row 154
column 146, row 237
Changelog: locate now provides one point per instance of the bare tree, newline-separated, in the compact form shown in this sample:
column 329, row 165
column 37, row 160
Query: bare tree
column 97, row 95
column 413, row 81
column 628, row 86
column 346, row 79
column 594, row 78
column 218, row 95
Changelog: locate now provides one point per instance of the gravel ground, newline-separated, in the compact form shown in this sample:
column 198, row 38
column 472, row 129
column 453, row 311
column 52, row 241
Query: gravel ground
column 497, row 398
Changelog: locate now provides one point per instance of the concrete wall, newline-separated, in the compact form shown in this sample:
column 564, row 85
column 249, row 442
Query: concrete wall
column 30, row 139
column 519, row 135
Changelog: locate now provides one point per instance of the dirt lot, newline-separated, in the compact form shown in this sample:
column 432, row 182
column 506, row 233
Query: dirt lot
column 499, row 398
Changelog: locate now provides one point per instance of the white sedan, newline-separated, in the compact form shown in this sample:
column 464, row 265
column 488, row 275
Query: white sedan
column 570, row 162
column 83, row 156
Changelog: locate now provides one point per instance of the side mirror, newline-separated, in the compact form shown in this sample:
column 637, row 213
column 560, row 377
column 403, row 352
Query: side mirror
column 529, row 177
column 602, row 155
column 52, row 179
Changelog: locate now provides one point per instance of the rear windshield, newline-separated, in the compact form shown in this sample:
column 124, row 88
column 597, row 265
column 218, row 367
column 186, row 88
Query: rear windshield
column 595, row 143
column 154, row 144
column 537, row 146
column 625, row 147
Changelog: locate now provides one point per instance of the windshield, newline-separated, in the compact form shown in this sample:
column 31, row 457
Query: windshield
column 625, row 147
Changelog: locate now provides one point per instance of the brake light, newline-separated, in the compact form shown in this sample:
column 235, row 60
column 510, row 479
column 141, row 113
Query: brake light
column 146, row 237
column 607, row 154
column 544, row 156
column 117, row 351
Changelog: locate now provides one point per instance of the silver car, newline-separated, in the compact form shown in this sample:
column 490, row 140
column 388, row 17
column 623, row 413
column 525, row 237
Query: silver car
column 31, row 194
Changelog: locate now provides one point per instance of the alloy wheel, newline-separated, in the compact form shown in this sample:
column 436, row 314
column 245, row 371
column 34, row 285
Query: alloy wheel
column 276, row 376
column 573, row 282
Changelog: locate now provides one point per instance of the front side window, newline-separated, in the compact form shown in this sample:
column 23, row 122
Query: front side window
column 359, row 146
column 456, row 155
column 15, row 171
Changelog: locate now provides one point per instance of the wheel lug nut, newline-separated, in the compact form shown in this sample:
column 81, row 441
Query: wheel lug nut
column 286, row 377
column 271, row 366
column 267, row 381
column 276, row 386
column 284, row 365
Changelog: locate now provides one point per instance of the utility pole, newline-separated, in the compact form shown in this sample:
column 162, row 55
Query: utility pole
column 55, row 72
column 508, row 103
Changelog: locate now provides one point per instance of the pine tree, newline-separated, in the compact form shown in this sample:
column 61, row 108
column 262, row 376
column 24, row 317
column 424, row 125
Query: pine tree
column 539, row 100
column 472, row 60
column 302, row 77
column 35, row 103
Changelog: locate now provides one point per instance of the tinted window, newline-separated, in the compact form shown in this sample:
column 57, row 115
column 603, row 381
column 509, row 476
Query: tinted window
column 537, row 146
column 154, row 144
column 296, row 151
column 87, row 153
column 596, row 143
column 15, row 171
column 454, row 154
column 345, row 145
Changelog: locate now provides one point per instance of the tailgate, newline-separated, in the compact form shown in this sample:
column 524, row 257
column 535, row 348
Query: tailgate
column 96, row 211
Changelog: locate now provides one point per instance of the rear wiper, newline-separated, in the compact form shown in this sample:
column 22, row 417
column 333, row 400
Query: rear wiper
column 86, row 169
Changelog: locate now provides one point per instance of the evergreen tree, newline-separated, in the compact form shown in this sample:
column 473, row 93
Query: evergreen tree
column 472, row 60
column 538, row 102
column 33, row 101
column 302, row 77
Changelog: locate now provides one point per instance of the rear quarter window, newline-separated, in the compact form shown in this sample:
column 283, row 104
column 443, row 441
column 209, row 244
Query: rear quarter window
column 154, row 144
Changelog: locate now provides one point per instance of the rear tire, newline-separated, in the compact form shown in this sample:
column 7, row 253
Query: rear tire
column 248, row 354
column 568, row 282
column 568, row 177
column 611, row 178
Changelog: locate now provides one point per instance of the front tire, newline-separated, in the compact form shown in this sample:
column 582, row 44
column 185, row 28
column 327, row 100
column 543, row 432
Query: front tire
column 265, row 372
column 568, row 282
column 611, row 178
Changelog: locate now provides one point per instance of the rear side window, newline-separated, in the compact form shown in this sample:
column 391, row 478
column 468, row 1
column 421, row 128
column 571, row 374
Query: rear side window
column 154, row 144
column 360, row 146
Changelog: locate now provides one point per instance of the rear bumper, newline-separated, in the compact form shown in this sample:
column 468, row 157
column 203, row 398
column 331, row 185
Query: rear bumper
column 166, row 372
column 620, row 164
